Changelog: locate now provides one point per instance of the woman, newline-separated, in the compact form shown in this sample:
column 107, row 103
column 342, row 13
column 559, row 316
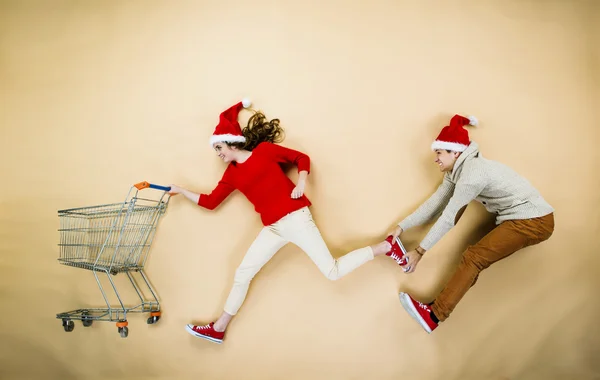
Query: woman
column 254, row 168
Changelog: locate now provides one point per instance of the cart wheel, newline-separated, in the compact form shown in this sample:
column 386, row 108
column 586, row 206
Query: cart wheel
column 68, row 325
column 124, row 331
column 86, row 319
column 154, row 317
column 122, row 327
column 153, row 320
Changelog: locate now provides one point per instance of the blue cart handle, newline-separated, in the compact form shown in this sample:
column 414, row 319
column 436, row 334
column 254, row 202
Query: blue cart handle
column 145, row 185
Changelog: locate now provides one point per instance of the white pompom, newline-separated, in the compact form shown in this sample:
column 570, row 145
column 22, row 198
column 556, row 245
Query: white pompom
column 473, row 121
column 246, row 103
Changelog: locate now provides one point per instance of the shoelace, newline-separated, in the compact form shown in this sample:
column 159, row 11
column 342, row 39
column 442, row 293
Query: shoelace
column 423, row 306
column 398, row 259
column 207, row 327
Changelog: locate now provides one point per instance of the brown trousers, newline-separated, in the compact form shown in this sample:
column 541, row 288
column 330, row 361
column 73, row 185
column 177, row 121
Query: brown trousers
column 504, row 240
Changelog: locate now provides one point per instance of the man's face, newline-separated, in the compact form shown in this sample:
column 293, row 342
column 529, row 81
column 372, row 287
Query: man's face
column 445, row 159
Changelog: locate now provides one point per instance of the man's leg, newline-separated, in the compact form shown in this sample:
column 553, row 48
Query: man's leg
column 501, row 242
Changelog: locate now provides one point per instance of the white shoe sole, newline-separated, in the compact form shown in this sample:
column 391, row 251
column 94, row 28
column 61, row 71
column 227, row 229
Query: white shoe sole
column 215, row 340
column 403, row 252
column 401, row 246
column 412, row 311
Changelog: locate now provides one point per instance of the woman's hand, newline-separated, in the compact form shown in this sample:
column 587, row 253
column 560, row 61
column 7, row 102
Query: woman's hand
column 298, row 190
column 194, row 197
column 175, row 190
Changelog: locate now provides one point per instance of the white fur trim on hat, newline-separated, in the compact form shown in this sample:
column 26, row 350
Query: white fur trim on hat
column 226, row 138
column 246, row 102
column 473, row 121
column 456, row 147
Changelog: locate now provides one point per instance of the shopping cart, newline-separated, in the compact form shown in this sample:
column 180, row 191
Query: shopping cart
column 112, row 239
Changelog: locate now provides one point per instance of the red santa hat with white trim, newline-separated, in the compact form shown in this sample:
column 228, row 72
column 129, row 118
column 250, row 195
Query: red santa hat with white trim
column 454, row 137
column 228, row 129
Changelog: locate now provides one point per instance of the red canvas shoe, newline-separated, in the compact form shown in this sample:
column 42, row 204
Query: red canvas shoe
column 419, row 311
column 207, row 332
column 397, row 252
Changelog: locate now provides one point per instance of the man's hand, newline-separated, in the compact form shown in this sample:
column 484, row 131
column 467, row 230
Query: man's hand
column 298, row 190
column 413, row 258
column 396, row 233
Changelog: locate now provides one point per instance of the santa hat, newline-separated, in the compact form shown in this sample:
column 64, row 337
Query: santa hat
column 454, row 137
column 228, row 129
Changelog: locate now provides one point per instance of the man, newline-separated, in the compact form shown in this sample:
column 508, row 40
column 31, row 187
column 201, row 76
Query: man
column 523, row 217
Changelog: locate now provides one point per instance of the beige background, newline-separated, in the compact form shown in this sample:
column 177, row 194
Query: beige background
column 98, row 95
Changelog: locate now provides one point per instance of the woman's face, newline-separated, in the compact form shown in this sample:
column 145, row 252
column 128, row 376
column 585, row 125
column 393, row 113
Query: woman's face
column 224, row 152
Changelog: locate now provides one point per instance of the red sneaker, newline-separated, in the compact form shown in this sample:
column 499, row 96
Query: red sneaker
column 398, row 252
column 207, row 332
column 419, row 311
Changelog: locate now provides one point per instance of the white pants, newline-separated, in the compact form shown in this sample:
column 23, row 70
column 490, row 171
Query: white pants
column 300, row 229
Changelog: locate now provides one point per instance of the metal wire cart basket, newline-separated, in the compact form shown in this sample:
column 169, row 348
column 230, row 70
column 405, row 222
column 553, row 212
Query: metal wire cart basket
column 111, row 239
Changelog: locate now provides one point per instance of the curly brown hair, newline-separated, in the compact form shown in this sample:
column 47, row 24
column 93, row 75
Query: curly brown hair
column 258, row 130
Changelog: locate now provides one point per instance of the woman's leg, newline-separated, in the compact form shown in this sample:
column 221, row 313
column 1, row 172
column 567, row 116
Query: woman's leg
column 266, row 244
column 300, row 229
column 264, row 247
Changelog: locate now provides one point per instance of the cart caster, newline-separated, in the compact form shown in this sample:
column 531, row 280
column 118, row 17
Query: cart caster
column 86, row 319
column 123, row 330
column 152, row 320
column 68, row 325
column 154, row 317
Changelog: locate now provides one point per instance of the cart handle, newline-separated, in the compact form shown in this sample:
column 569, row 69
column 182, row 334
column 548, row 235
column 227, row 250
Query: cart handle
column 145, row 185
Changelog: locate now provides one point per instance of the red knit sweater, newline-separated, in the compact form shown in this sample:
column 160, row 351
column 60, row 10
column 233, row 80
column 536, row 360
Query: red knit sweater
column 262, row 180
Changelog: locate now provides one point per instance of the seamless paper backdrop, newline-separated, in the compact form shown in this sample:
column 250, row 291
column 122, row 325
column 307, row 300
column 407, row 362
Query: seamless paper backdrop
column 98, row 95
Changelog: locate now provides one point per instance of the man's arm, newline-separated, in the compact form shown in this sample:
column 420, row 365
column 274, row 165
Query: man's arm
column 431, row 207
column 463, row 195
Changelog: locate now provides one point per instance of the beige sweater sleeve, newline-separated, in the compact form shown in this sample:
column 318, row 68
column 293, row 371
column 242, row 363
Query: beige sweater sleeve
column 467, row 189
column 431, row 207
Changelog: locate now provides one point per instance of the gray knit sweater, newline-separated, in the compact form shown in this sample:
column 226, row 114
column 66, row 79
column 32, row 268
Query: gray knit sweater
column 500, row 189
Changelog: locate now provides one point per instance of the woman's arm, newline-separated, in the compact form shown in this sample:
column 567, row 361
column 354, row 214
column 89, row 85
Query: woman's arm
column 289, row 156
column 194, row 197
column 299, row 189
column 212, row 200
column 208, row 201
